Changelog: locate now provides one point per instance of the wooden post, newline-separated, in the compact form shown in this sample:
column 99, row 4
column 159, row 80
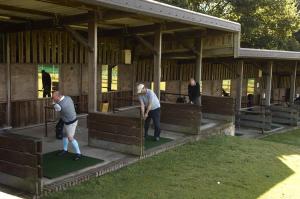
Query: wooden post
column 239, row 88
column 198, row 78
column 269, row 83
column 92, row 63
column 8, row 82
column 157, row 60
column 293, row 83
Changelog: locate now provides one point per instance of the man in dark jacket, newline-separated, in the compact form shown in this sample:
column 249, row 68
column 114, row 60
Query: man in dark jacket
column 46, row 79
column 194, row 92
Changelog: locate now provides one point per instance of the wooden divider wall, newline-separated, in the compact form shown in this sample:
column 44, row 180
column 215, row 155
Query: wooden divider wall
column 21, row 162
column 118, row 133
column 218, row 105
column 183, row 118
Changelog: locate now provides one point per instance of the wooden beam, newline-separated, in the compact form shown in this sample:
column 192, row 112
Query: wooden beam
column 192, row 49
column 157, row 60
column 26, row 10
column 8, row 81
column 269, row 83
column 46, row 24
column 146, row 44
column 79, row 38
column 293, row 83
column 239, row 87
column 92, row 63
column 199, row 47
column 166, row 27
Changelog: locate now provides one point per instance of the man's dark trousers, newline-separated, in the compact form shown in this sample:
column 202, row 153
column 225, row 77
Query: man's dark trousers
column 155, row 116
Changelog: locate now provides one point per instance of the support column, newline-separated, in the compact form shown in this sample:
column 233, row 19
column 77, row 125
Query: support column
column 269, row 83
column 293, row 83
column 239, row 87
column 8, row 82
column 157, row 60
column 198, row 77
column 92, row 63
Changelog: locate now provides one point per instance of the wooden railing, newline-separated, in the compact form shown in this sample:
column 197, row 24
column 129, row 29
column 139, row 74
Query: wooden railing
column 284, row 115
column 257, row 117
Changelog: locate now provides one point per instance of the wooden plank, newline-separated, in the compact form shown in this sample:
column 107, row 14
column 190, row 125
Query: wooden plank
column 114, row 129
column 27, row 46
column 41, row 47
column 21, row 47
column 47, row 43
column 130, row 140
column 59, row 48
column 177, row 106
column 113, row 119
column 34, row 47
column 17, row 143
column 20, row 158
column 18, row 170
column 53, row 47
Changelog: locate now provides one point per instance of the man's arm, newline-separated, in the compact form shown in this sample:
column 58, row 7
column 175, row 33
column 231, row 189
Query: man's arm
column 142, row 107
column 57, row 107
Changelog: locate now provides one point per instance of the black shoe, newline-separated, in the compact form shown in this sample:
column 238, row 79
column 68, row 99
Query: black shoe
column 77, row 157
column 156, row 139
column 146, row 135
column 62, row 153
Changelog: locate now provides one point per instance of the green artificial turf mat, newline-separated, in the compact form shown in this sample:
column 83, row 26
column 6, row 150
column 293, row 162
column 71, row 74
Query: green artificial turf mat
column 150, row 143
column 55, row 166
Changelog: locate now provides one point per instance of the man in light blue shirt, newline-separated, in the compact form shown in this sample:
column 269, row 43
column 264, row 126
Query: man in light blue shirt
column 150, row 109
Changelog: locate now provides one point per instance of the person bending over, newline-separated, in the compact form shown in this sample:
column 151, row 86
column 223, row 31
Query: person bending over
column 150, row 109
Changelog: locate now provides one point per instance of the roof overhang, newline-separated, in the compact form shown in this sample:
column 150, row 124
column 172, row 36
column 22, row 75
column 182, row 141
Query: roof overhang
column 167, row 12
column 268, row 54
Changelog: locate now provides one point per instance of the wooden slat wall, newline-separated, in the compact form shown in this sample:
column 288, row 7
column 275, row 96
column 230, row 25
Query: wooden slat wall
column 30, row 112
column 171, row 71
column 56, row 47
column 2, row 48
column 218, row 105
column 186, row 115
column 117, row 99
column 21, row 157
column 2, row 114
column 117, row 130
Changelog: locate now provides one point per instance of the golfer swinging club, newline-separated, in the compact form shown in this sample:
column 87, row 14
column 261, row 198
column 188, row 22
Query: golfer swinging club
column 65, row 105
column 150, row 109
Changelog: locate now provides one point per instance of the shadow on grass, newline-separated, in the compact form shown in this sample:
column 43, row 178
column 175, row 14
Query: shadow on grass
column 221, row 167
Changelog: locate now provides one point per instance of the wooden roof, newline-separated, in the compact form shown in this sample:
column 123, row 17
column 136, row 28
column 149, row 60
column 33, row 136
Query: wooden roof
column 113, row 14
column 268, row 54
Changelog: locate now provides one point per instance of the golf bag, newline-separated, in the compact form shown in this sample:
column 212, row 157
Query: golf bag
column 59, row 129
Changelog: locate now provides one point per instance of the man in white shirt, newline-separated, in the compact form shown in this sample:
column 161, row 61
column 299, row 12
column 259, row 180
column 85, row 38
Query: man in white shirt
column 150, row 109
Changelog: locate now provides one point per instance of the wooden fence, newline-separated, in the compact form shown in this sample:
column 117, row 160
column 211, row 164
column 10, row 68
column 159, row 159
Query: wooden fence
column 284, row 115
column 21, row 162
column 255, row 117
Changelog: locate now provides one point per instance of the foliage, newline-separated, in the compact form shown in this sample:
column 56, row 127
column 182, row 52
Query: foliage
column 270, row 24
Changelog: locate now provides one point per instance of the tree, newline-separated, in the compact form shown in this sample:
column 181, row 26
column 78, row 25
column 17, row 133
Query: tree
column 270, row 24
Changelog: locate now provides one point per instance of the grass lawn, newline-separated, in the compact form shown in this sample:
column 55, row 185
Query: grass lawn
column 292, row 137
column 244, row 168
